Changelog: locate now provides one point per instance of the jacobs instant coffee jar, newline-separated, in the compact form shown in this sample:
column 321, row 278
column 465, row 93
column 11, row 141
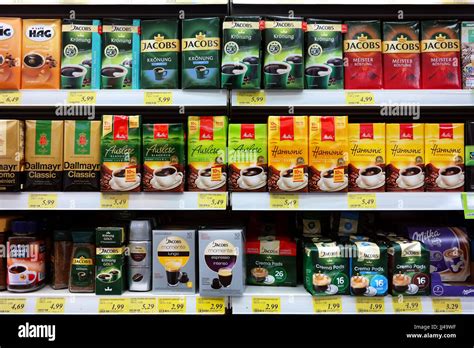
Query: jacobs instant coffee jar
column 10, row 53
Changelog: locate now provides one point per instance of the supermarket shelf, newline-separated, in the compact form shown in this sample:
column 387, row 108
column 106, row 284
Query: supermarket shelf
column 352, row 2
column 116, row 2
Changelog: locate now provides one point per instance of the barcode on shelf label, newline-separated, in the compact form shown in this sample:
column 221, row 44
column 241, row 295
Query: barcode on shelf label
column 143, row 305
column 114, row 305
column 327, row 304
column 406, row 304
column 370, row 305
column 266, row 305
column 447, row 305
column 210, row 305
column 172, row 305
column 12, row 305
column 50, row 305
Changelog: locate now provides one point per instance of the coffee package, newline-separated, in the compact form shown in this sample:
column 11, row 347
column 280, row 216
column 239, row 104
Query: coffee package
column 405, row 151
column 10, row 52
column 163, row 157
column 248, row 157
column 201, row 56
column 110, row 262
column 328, row 153
column 367, row 157
column 207, row 153
column 81, row 54
column 41, row 52
column 444, row 157
column 160, row 47
column 469, row 154
column 440, row 54
column 12, row 154
column 324, row 65
column 241, row 55
column 120, row 48
column 44, row 155
column 401, row 55
column 121, row 153
column 288, row 153
column 363, row 55
column 110, row 236
column 81, row 155
column 467, row 54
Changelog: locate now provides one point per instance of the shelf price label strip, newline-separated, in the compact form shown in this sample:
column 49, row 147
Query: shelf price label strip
column 210, row 305
column 158, row 98
column 251, row 98
column 82, row 97
column 266, row 305
column 359, row 201
column 327, row 304
column 114, row 200
column 468, row 205
column 370, row 305
column 10, row 98
column 50, row 305
column 212, row 200
column 42, row 201
column 143, row 305
column 114, row 305
column 406, row 304
column 447, row 305
column 360, row 98
column 172, row 305
column 12, row 305
column 284, row 201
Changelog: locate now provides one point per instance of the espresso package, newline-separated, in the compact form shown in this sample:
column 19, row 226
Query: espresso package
column 10, row 53
column 469, row 154
column 160, row 49
column 201, row 53
column 12, row 154
column 467, row 54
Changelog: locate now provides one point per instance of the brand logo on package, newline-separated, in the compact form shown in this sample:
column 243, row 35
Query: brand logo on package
column 206, row 131
column 247, row 131
column 121, row 128
column 328, row 130
column 446, row 131
column 366, row 131
column 6, row 31
column 40, row 32
column 160, row 131
column 287, row 130
column 406, row 131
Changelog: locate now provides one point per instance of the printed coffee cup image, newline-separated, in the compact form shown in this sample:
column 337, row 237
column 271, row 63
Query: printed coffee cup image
column 19, row 275
column 113, row 76
column 359, row 285
column 160, row 73
column 2, row 60
column 337, row 66
column 372, row 176
column 321, row 282
column 201, row 71
column 253, row 176
column 166, row 177
column 127, row 64
column 115, row 275
column 451, row 176
column 119, row 181
column 73, row 75
column 328, row 180
column 87, row 63
column 454, row 259
column 401, row 282
column 233, row 74
column 34, row 63
column 296, row 63
column 412, row 176
column 276, row 74
column 252, row 64
column 105, row 277
column 287, row 179
column 317, row 76
column 205, row 182
column 173, row 273
column 225, row 276
column 259, row 274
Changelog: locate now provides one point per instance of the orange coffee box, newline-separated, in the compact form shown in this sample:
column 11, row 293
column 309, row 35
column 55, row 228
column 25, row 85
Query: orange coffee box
column 10, row 53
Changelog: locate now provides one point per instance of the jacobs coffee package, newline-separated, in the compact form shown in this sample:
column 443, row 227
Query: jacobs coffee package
column 44, row 155
column 207, row 153
column 163, row 157
column 247, row 157
column 288, row 153
column 160, row 47
column 401, row 55
column 363, row 55
column 10, row 53
column 41, row 52
column 324, row 65
column 12, row 154
column 110, row 261
column 120, row 47
column 467, row 54
column 405, row 152
column 440, row 54
column 444, row 156
column 81, row 54
column 241, row 54
column 284, row 60
column 328, row 153
column 201, row 56
column 121, row 153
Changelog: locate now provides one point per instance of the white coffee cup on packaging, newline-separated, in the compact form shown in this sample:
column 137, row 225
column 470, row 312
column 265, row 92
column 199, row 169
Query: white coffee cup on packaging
column 451, row 176
column 253, row 176
column 166, row 176
column 412, row 176
column 371, row 176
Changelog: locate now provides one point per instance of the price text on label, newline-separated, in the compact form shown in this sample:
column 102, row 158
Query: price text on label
column 114, row 305
column 159, row 98
column 42, row 200
column 143, row 305
column 407, row 304
column 327, row 304
column 360, row 98
column 10, row 98
column 81, row 97
column 249, row 98
column 12, row 305
column 212, row 200
column 361, row 201
column 370, row 305
column 50, row 305
column 174, row 305
column 210, row 305
column 266, row 305
column 114, row 200
column 284, row 201
column 448, row 305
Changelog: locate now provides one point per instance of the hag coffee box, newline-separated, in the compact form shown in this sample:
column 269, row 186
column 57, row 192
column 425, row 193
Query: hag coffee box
column 363, row 55
column 160, row 49
column 10, row 53
column 467, row 54
column 328, row 153
column 242, row 54
column 41, row 52
column 324, row 65
column 201, row 56
column 110, row 261
column 12, row 154
column 401, row 55
column 120, row 48
column 440, row 54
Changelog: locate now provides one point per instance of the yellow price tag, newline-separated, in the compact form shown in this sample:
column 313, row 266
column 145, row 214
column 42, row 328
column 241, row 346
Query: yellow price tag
column 370, row 305
column 249, row 98
column 114, row 200
column 12, row 305
column 266, row 305
column 447, row 305
column 50, row 305
column 361, row 201
column 158, row 98
column 360, row 98
column 212, row 200
column 10, row 98
column 284, row 201
column 210, row 305
column 89, row 97
column 42, row 200
column 407, row 304
column 143, row 305
column 114, row 305
column 174, row 305
column 327, row 304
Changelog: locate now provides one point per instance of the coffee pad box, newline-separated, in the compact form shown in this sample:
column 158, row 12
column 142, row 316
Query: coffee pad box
column 242, row 54
column 467, row 54
column 288, row 153
column 10, row 52
column 12, row 154
column 163, row 157
column 221, row 262
column 201, row 56
column 160, row 49
column 207, row 153
column 405, row 150
column 110, row 261
column 174, row 263
column 363, row 55
column 324, row 65
column 247, row 157
column 120, row 54
column 440, row 54
column 44, row 155
column 41, row 52
column 444, row 157
column 121, row 153
column 328, row 153
column 367, row 157
column 401, row 55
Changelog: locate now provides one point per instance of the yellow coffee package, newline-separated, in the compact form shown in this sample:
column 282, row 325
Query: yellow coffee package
column 12, row 154
column 405, row 149
column 444, row 156
column 41, row 52
column 10, row 53
column 288, row 153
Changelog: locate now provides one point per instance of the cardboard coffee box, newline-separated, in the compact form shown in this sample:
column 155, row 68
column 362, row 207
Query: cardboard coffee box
column 12, row 154
column 10, row 52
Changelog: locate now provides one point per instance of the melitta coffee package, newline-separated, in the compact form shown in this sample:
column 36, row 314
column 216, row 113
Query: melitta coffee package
column 324, row 65
column 120, row 48
column 44, row 155
column 328, row 153
column 201, row 46
column 10, row 52
column 363, row 55
column 110, row 261
column 288, row 153
column 81, row 54
column 207, row 153
column 163, row 157
column 12, row 154
column 401, row 55
column 440, row 54
column 121, row 153
column 241, row 54
column 41, row 54
column 160, row 47
column 467, row 54
column 247, row 157
column 284, row 61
